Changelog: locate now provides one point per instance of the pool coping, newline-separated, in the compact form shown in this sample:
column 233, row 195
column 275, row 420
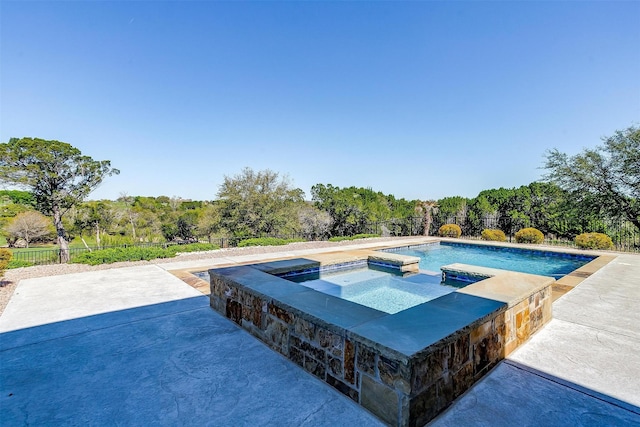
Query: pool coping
column 560, row 287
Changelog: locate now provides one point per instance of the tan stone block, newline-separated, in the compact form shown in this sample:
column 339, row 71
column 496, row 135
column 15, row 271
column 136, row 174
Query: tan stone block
column 509, row 347
column 366, row 359
column 304, row 328
column 481, row 331
column 381, row 400
column 427, row 371
column 394, row 374
column 349, row 362
column 424, row 407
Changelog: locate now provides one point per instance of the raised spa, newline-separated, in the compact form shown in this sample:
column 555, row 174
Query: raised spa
column 405, row 361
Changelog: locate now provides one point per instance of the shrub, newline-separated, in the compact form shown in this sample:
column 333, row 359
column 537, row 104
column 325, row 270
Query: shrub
column 111, row 255
column 450, row 230
column 5, row 258
column 593, row 241
column 266, row 241
column 18, row 263
column 192, row 247
column 493, row 235
column 529, row 235
column 354, row 237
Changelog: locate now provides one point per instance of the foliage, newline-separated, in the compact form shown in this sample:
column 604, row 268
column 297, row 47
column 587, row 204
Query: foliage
column 255, row 203
column 450, row 230
column 29, row 226
column 352, row 209
column 354, row 237
column 593, row 241
column 17, row 197
column 606, row 178
column 529, row 235
column 138, row 253
column 5, row 259
column 209, row 221
column 56, row 173
column 266, row 241
column 111, row 255
column 493, row 235
column 192, row 247
column 17, row 263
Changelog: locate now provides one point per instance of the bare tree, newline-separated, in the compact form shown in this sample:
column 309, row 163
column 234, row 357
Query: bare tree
column 29, row 226
column 314, row 222
column 426, row 209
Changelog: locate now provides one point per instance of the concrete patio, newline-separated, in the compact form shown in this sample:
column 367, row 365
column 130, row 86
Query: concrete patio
column 138, row 346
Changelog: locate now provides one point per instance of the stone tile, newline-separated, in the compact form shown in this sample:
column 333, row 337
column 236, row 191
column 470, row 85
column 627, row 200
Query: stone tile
column 366, row 359
column 349, row 362
column 380, row 400
column 426, row 372
column 395, row 374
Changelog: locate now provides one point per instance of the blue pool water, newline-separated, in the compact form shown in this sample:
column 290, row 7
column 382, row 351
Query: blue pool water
column 377, row 289
column 543, row 263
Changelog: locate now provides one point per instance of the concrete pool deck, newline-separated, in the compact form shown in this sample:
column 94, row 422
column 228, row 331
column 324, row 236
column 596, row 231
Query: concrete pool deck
column 138, row 346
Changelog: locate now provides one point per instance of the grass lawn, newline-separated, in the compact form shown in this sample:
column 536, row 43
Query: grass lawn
column 75, row 243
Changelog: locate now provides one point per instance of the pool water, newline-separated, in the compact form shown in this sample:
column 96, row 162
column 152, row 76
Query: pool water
column 552, row 264
column 380, row 290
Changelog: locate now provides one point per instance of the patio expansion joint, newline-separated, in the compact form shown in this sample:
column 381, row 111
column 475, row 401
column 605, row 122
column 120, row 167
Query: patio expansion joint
column 598, row 329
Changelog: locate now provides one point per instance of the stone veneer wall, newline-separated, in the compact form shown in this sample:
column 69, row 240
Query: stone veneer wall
column 401, row 390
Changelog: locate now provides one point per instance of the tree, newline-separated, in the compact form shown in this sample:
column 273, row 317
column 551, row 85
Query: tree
column 426, row 209
column 256, row 203
column 606, row 177
column 28, row 226
column 209, row 222
column 314, row 223
column 56, row 173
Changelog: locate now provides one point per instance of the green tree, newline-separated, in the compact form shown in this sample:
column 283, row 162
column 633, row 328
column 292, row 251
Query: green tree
column 56, row 173
column 209, row 222
column 606, row 178
column 256, row 203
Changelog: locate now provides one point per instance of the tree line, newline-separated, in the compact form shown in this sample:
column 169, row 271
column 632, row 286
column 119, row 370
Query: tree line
column 597, row 186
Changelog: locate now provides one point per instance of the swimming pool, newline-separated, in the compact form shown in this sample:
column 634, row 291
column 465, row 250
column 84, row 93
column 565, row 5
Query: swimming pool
column 390, row 291
column 543, row 263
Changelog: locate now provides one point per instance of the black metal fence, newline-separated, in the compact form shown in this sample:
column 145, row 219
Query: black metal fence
column 26, row 257
column 625, row 236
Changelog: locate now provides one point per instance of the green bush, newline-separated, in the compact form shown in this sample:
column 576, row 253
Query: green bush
column 192, row 247
column 111, row 255
column 450, row 230
column 18, row 263
column 593, row 241
column 266, row 241
column 5, row 258
column 354, row 237
column 493, row 235
column 529, row 235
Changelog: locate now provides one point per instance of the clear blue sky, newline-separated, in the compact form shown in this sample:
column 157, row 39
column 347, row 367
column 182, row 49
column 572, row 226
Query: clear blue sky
column 418, row 99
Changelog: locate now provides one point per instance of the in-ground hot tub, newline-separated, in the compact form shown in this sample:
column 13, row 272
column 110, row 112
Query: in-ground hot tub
column 405, row 367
